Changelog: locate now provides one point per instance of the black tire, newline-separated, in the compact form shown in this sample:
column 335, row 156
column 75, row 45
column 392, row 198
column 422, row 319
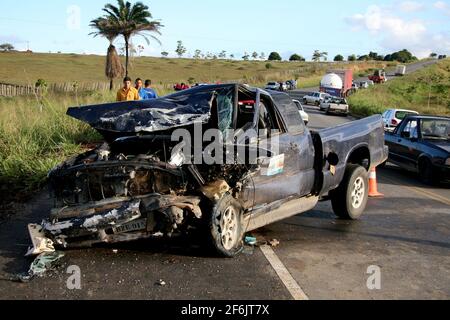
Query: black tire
column 227, row 248
column 305, row 102
column 318, row 103
column 347, row 205
column 426, row 172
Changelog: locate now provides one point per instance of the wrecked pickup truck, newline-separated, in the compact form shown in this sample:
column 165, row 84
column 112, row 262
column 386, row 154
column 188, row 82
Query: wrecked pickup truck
column 157, row 174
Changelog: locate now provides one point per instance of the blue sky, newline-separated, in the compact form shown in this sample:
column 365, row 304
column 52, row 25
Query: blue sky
column 286, row 26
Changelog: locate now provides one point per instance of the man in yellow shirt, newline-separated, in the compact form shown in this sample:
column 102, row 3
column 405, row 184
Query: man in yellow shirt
column 127, row 93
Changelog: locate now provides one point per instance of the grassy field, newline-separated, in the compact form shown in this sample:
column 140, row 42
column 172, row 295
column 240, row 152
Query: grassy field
column 26, row 68
column 35, row 135
column 426, row 91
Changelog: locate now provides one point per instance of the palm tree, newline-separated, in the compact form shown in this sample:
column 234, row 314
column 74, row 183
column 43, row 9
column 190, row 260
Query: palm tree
column 114, row 67
column 130, row 20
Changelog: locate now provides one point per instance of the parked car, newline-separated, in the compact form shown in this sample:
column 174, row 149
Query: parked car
column 315, row 98
column 379, row 76
column 141, row 183
column 282, row 86
column 393, row 117
column 273, row 86
column 400, row 70
column 422, row 144
column 302, row 112
column 335, row 105
column 363, row 85
column 291, row 84
column 277, row 86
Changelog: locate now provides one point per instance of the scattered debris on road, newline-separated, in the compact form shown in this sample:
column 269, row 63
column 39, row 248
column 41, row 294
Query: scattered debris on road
column 44, row 262
column 251, row 241
column 274, row 243
column 161, row 283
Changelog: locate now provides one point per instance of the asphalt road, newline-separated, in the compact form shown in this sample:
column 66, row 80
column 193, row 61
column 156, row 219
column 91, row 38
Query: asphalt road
column 406, row 234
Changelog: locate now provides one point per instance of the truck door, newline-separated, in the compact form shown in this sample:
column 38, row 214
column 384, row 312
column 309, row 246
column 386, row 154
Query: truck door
column 283, row 174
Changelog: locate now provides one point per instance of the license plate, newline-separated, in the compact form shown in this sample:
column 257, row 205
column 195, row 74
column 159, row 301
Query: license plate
column 132, row 226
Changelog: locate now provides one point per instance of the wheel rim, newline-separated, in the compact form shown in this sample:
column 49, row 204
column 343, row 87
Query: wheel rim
column 229, row 228
column 358, row 193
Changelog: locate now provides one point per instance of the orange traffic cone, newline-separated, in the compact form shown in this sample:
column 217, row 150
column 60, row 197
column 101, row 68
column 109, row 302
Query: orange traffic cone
column 373, row 185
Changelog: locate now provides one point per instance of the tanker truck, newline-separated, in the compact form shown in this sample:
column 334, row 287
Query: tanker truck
column 337, row 83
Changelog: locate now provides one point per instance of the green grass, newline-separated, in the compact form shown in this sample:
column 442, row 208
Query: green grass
column 35, row 136
column 426, row 91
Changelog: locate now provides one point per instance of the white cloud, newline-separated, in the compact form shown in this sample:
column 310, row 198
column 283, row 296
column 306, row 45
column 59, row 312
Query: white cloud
column 395, row 33
column 443, row 6
column 411, row 6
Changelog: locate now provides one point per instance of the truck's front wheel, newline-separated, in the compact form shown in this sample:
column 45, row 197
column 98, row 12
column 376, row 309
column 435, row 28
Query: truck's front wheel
column 349, row 200
column 225, row 227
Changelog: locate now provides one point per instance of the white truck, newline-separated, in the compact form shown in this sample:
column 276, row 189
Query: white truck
column 400, row 71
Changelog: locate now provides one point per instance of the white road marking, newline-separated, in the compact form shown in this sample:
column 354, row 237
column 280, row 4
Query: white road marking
column 285, row 276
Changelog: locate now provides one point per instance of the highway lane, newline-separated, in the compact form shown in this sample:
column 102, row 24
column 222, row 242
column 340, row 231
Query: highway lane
column 406, row 234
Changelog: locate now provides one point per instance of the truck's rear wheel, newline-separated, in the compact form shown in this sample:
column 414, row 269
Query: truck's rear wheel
column 349, row 200
column 225, row 227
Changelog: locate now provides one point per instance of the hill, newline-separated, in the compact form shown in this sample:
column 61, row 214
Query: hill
column 426, row 91
column 25, row 68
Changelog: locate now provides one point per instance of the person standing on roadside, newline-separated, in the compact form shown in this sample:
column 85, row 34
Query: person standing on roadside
column 127, row 92
column 149, row 91
column 139, row 85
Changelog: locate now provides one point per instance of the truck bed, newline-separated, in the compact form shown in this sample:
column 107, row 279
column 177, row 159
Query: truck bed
column 362, row 139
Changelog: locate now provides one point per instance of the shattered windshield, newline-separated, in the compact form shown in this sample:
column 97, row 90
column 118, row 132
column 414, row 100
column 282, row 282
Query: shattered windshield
column 225, row 106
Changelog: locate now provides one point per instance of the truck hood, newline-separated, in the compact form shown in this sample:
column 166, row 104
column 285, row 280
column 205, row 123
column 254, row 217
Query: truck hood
column 134, row 117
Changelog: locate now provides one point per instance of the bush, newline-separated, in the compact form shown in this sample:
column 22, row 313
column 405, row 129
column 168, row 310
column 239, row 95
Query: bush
column 269, row 66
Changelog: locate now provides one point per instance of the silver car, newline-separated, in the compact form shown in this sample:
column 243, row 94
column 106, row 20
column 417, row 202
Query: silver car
column 335, row 105
column 315, row 98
